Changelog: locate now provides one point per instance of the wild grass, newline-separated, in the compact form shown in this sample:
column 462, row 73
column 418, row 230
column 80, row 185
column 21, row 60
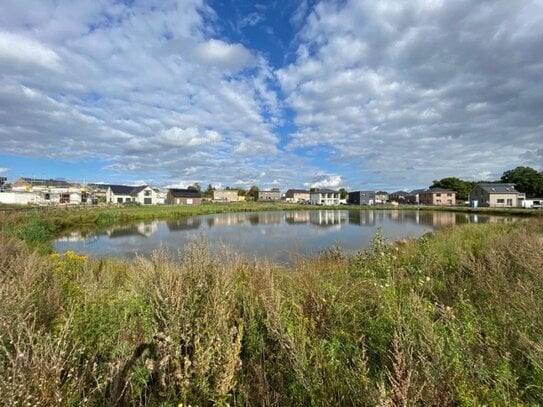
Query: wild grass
column 453, row 318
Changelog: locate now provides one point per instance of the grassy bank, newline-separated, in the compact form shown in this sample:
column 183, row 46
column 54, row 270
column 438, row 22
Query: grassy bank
column 454, row 318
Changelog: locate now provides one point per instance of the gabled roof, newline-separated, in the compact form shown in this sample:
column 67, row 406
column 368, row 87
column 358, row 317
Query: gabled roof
column 127, row 189
column 400, row 193
column 47, row 182
column 498, row 188
column 381, row 193
column 185, row 193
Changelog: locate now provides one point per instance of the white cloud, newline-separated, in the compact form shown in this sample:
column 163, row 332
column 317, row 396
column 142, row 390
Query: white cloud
column 21, row 50
column 3, row 170
column 395, row 87
column 325, row 181
column 218, row 53
column 189, row 137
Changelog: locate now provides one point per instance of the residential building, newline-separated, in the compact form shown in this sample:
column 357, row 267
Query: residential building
column 26, row 184
column 142, row 194
column 532, row 203
column 297, row 195
column 381, row 197
column 3, row 181
column 184, row 197
column 273, row 195
column 437, row 196
column 398, row 196
column 497, row 195
column 324, row 197
column 413, row 197
column 227, row 195
column 362, row 198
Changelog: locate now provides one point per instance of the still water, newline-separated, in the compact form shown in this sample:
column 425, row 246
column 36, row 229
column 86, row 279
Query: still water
column 281, row 236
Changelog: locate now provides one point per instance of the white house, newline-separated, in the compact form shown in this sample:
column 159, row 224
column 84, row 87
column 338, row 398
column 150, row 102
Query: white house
column 324, row 197
column 142, row 194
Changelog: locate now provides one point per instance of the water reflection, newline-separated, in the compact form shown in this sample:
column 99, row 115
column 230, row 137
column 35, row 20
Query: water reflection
column 268, row 234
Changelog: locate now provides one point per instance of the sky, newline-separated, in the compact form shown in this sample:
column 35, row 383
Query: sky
column 360, row 94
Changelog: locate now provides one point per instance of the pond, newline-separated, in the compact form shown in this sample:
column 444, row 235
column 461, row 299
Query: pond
column 281, row 236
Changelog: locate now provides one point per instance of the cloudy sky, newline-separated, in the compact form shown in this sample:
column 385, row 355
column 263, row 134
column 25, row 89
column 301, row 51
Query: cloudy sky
column 363, row 94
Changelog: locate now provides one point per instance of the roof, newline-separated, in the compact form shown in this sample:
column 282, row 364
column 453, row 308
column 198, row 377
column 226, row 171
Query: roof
column 418, row 191
column 362, row 192
column 400, row 193
column 126, row 189
column 498, row 188
column 47, row 182
column 297, row 191
column 381, row 193
column 185, row 193
column 441, row 190
column 324, row 190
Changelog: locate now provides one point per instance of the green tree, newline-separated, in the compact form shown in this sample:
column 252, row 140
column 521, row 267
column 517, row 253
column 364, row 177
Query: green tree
column 461, row 187
column 253, row 192
column 195, row 187
column 241, row 191
column 209, row 191
column 343, row 193
column 526, row 179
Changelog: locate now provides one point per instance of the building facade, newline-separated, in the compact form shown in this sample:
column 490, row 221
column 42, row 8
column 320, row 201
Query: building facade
column 496, row 196
column 324, row 197
column 184, row 197
column 228, row 195
column 362, row 198
column 297, row 195
column 269, row 195
column 438, row 197
column 143, row 194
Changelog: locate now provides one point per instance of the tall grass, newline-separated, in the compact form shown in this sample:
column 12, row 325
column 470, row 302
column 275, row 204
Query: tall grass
column 453, row 318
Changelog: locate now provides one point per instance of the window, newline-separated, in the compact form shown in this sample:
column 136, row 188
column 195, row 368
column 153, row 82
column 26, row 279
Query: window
column 438, row 194
column 449, row 194
column 147, row 193
column 509, row 202
column 119, row 200
column 500, row 201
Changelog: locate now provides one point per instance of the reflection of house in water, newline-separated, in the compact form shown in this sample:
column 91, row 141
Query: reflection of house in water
column 297, row 217
column 443, row 219
column 269, row 218
column 226, row 219
column 327, row 218
column 142, row 229
column 362, row 218
column 184, row 223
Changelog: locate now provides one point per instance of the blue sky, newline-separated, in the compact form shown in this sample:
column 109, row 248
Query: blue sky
column 357, row 94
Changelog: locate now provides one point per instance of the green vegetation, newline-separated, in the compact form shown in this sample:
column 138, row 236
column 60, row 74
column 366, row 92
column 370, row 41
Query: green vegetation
column 453, row 318
column 526, row 179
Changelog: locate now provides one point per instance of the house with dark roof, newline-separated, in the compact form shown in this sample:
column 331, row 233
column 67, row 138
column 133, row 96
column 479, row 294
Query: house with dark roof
column 437, row 196
column 297, row 195
column 324, row 197
column 184, row 197
column 142, row 194
column 498, row 195
column 381, row 197
column 398, row 196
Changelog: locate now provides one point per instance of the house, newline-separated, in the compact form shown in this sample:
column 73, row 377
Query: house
column 3, row 181
column 297, row 195
column 26, row 184
column 413, row 197
column 398, row 196
column 228, row 195
column 142, row 194
column 362, row 198
column 184, row 197
column 437, row 196
column 497, row 195
column 324, row 197
column 381, row 197
column 273, row 195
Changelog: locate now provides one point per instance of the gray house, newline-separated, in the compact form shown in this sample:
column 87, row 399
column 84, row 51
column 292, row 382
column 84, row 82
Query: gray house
column 496, row 196
column 362, row 198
